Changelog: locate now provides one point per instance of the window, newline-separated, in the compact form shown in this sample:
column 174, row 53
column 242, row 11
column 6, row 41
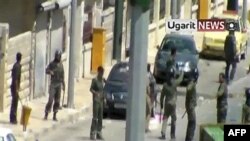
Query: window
column 119, row 73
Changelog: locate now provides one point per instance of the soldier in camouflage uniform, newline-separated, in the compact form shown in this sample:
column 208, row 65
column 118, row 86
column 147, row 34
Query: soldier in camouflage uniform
column 56, row 71
column 152, row 89
column 246, row 108
column 96, row 89
column 15, row 87
column 222, row 95
column 191, row 102
column 148, row 107
column 169, row 93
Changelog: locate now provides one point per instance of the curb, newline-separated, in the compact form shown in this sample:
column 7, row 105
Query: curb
column 70, row 118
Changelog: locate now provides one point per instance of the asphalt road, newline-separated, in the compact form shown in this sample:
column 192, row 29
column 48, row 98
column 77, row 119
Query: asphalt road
column 114, row 129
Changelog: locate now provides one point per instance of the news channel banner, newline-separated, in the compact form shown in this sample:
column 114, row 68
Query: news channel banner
column 203, row 25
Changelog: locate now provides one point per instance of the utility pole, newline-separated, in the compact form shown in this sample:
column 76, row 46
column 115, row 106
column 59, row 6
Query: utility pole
column 72, row 56
column 178, row 8
column 118, row 29
column 174, row 9
column 135, row 124
column 244, row 13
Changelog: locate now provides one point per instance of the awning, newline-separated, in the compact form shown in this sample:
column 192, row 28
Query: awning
column 60, row 4
column 47, row 6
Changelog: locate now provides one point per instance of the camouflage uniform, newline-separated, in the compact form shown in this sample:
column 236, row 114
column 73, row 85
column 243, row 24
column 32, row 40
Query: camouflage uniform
column 246, row 114
column 190, row 108
column 222, row 95
column 15, row 85
column 152, row 91
column 246, row 108
column 98, row 99
column 169, row 93
column 56, row 83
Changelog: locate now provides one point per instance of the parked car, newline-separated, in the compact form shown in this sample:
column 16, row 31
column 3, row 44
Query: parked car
column 116, row 89
column 213, row 42
column 187, row 57
column 6, row 135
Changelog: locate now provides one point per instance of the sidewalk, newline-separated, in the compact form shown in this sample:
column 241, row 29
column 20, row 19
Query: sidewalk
column 37, row 126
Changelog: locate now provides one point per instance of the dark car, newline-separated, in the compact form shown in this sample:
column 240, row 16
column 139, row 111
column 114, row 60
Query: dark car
column 187, row 57
column 116, row 89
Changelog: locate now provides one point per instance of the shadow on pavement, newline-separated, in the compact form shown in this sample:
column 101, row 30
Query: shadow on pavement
column 83, row 138
column 117, row 117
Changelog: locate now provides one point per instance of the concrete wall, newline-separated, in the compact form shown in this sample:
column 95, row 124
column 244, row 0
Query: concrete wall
column 20, row 43
column 40, row 54
column 4, row 36
column 20, row 15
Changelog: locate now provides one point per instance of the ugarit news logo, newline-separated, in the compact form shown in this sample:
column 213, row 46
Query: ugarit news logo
column 204, row 25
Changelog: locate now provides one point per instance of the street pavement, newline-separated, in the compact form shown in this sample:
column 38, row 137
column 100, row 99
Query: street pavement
column 114, row 128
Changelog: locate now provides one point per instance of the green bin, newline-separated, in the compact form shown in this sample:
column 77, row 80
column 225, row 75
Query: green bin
column 212, row 133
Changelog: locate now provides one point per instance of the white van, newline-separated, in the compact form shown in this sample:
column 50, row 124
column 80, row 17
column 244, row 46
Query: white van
column 6, row 135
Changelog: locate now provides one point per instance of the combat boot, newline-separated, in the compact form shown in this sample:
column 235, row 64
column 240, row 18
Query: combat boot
column 99, row 137
column 92, row 137
column 46, row 116
column 54, row 117
column 163, row 136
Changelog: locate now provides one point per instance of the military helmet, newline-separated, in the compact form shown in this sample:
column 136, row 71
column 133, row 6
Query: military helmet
column 58, row 52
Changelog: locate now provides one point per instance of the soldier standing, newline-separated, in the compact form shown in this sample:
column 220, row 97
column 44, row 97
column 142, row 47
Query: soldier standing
column 15, row 87
column 191, row 102
column 246, row 108
column 171, row 61
column 152, row 89
column 148, row 107
column 230, row 55
column 169, row 93
column 56, row 71
column 222, row 95
column 96, row 89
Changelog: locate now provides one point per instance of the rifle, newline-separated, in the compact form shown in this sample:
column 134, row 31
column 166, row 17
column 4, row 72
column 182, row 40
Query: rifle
column 63, row 105
column 184, row 114
column 160, row 115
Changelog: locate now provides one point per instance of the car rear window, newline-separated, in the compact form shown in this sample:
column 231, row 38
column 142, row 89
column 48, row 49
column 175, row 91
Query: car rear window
column 119, row 73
